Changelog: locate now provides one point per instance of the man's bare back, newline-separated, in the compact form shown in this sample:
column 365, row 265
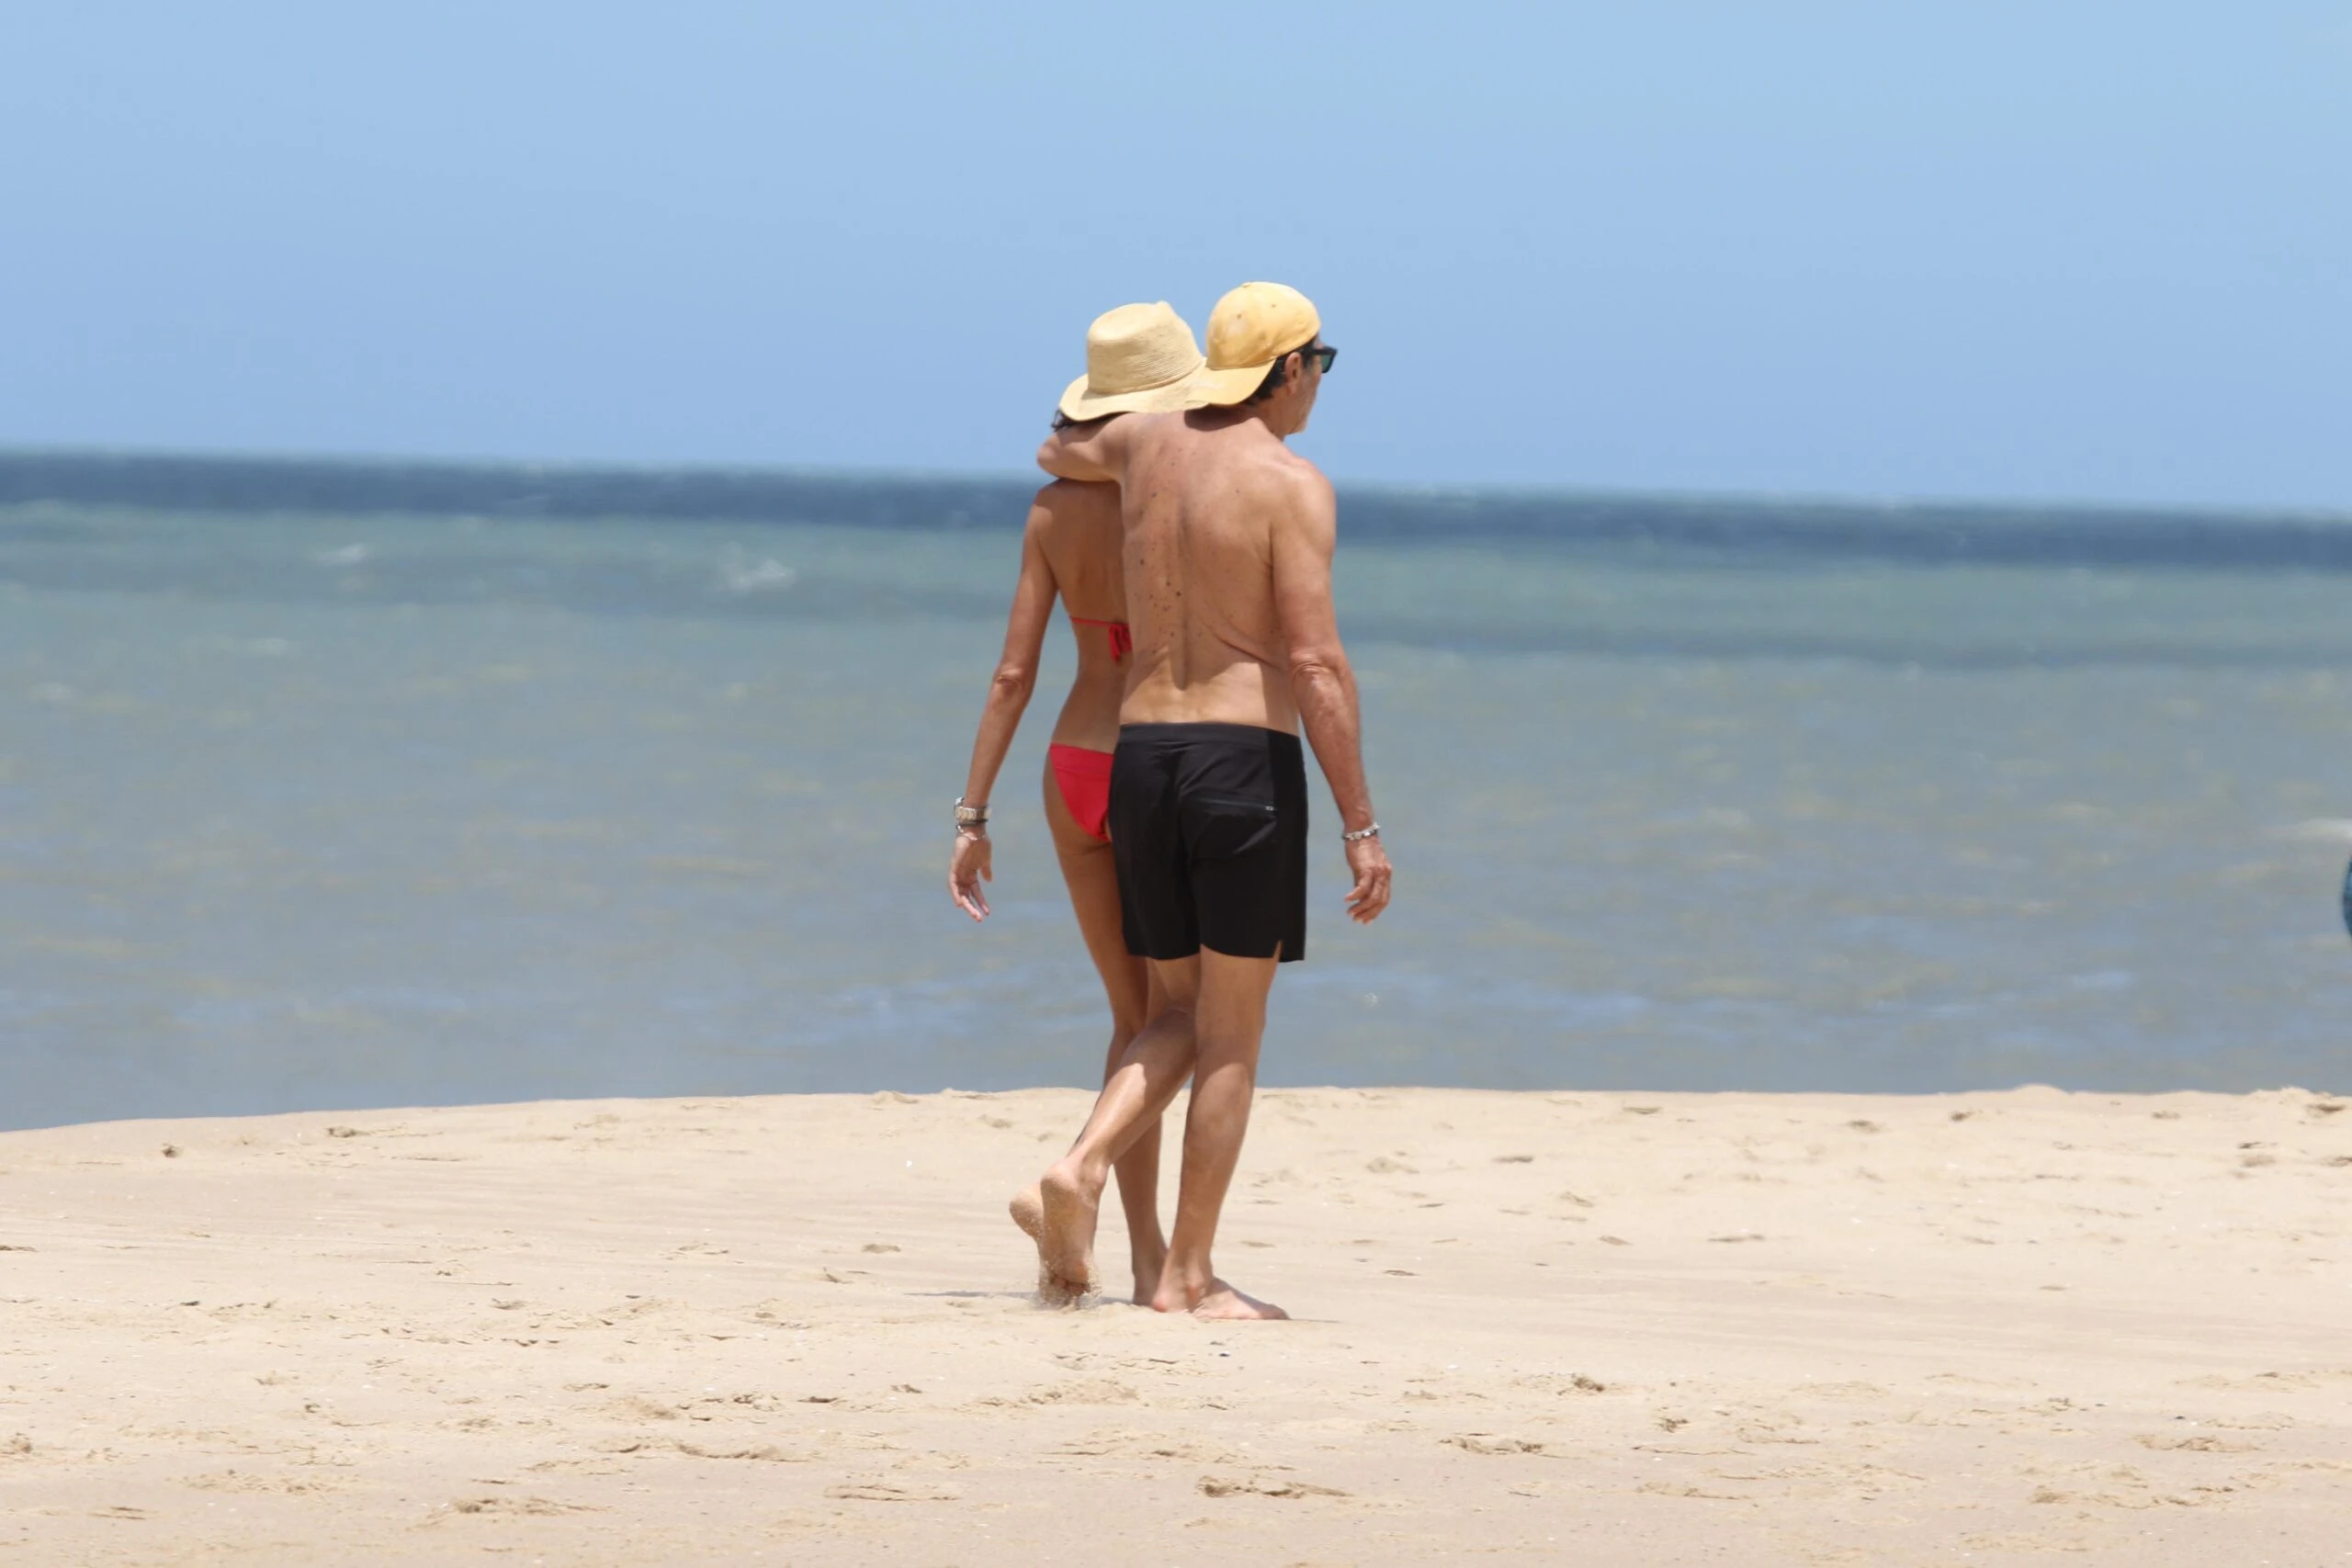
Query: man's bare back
column 1206, row 497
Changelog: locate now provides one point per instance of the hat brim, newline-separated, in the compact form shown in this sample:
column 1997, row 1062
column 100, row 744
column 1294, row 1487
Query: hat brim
column 1223, row 388
column 1175, row 396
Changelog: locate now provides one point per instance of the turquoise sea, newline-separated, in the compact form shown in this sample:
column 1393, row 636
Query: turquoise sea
column 336, row 785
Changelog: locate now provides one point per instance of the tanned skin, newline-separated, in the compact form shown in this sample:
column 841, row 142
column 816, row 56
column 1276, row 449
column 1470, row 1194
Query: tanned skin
column 1070, row 550
column 1228, row 537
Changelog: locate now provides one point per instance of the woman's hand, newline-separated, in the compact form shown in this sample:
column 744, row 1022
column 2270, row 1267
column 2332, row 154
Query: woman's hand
column 972, row 865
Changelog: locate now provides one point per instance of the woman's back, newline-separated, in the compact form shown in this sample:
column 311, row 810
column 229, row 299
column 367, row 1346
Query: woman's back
column 1077, row 529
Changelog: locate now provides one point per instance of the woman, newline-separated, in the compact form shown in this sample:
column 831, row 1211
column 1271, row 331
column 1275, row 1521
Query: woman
column 1140, row 358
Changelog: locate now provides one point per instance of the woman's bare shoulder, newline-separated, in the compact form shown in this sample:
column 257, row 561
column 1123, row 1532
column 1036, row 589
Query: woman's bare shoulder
column 1076, row 497
column 1067, row 508
column 1074, row 525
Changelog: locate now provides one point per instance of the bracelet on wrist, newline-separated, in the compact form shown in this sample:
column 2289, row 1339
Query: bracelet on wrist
column 971, row 816
column 1361, row 834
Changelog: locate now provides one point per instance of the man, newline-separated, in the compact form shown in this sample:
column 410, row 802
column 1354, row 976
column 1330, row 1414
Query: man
column 1227, row 558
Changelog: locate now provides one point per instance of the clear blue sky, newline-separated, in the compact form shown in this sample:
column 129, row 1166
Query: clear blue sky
column 2065, row 249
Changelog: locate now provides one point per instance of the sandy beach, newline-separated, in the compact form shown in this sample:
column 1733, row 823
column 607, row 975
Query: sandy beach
column 1575, row 1327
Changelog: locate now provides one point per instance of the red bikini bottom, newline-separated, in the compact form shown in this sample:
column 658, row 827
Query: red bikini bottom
column 1084, row 778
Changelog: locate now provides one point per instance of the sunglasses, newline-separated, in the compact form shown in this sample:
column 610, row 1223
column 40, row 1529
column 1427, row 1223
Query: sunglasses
column 1323, row 353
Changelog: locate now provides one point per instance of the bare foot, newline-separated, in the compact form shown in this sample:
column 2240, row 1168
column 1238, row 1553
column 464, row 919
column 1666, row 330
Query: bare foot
column 1028, row 1211
column 1224, row 1301
column 1221, row 1300
column 1066, row 1232
column 1146, row 1272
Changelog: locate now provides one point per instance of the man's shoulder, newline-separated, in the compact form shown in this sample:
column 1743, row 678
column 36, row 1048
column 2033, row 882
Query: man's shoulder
column 1286, row 479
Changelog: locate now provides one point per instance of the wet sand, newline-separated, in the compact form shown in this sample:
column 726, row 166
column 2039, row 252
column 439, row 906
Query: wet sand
column 1593, row 1327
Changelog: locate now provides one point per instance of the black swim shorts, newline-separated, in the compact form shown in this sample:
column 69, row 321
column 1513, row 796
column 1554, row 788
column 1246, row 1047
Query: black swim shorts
column 1209, row 826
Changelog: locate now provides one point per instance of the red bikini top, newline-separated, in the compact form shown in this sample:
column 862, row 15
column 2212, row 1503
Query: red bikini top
column 1121, row 642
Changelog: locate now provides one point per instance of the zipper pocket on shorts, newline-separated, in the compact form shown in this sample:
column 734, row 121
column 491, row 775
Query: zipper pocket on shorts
column 1236, row 803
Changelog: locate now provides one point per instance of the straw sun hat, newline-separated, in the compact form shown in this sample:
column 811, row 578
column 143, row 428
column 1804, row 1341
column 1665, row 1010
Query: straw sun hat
column 1139, row 359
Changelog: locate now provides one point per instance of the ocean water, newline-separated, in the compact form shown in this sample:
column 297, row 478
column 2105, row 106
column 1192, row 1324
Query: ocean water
column 328, row 795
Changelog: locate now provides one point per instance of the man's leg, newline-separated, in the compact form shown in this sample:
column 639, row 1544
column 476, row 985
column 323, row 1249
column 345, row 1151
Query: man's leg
column 1228, row 1023
column 1138, row 1173
column 1148, row 1075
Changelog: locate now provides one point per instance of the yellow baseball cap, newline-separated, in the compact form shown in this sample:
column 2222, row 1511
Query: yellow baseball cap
column 1250, row 328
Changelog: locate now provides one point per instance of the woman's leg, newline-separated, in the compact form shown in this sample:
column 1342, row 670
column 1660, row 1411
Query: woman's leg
column 1094, row 882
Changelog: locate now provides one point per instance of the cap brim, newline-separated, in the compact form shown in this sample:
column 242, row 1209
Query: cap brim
column 1222, row 389
column 1170, row 399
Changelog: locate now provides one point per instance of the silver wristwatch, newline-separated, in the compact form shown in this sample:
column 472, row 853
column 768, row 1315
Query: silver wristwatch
column 970, row 816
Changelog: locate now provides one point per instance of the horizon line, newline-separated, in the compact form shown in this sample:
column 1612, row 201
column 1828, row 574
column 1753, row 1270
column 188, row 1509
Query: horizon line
column 1854, row 501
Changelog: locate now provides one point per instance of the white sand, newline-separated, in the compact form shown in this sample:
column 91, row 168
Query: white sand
column 1577, row 1327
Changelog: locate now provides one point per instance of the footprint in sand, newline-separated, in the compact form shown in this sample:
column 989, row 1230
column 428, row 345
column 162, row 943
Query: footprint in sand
column 889, row 1492
column 1263, row 1486
column 1480, row 1443
column 535, row 1507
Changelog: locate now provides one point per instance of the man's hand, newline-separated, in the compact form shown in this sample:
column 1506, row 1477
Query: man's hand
column 1369, row 862
column 973, row 864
